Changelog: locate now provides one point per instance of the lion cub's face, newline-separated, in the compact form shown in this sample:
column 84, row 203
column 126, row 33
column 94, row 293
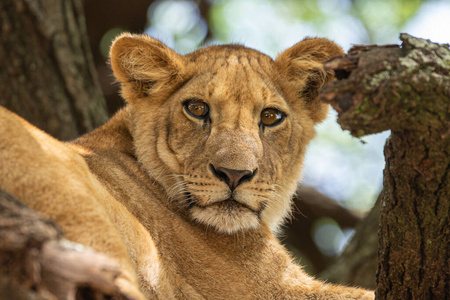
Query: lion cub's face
column 223, row 129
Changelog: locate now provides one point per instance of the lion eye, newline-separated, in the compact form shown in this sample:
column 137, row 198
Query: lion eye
column 271, row 117
column 196, row 108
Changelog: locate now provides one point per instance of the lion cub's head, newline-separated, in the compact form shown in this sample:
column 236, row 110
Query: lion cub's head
column 223, row 129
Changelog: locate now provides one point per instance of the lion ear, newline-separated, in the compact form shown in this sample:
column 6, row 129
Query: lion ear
column 301, row 67
column 144, row 66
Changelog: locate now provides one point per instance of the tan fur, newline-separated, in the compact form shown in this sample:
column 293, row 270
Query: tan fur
column 141, row 188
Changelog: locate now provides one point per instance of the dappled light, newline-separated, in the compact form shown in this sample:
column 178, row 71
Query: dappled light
column 186, row 33
column 329, row 237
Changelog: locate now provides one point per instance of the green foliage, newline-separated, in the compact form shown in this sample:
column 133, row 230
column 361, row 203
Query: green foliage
column 374, row 21
column 383, row 17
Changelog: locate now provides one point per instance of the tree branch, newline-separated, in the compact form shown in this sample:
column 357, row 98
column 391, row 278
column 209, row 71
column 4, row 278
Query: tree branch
column 407, row 90
column 37, row 263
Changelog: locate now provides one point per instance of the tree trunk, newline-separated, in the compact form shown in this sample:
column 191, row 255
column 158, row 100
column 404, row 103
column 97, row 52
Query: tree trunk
column 47, row 72
column 406, row 90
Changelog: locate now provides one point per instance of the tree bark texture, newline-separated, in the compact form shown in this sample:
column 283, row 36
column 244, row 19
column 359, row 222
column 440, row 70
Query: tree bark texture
column 407, row 90
column 36, row 263
column 47, row 74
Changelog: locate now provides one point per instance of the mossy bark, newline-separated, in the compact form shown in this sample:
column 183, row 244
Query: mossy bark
column 47, row 75
column 407, row 90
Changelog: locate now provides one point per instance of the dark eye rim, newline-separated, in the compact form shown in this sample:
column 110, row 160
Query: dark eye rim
column 205, row 113
column 279, row 112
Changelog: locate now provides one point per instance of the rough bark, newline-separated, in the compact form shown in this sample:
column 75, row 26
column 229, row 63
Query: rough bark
column 407, row 90
column 47, row 72
column 36, row 263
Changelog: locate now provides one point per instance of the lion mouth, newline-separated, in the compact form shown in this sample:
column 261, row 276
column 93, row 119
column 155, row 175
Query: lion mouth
column 226, row 216
column 229, row 205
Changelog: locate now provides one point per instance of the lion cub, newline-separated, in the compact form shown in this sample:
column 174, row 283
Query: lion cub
column 187, row 184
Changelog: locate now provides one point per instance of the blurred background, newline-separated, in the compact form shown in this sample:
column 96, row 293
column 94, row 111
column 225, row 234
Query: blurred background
column 344, row 168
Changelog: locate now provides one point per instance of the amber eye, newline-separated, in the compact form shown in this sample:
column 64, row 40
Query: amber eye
column 271, row 117
column 197, row 108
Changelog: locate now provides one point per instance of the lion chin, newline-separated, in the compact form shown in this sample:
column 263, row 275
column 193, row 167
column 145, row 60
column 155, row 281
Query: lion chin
column 228, row 216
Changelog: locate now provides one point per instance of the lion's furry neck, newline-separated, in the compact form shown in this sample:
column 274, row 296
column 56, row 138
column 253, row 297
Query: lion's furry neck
column 110, row 155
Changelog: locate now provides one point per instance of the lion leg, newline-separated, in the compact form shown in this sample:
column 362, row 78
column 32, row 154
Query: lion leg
column 301, row 286
column 328, row 291
column 55, row 181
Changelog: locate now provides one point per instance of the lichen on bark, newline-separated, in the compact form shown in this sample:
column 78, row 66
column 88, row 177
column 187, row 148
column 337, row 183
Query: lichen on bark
column 405, row 89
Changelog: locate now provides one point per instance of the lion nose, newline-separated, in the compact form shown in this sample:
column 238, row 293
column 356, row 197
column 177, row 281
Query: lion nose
column 232, row 177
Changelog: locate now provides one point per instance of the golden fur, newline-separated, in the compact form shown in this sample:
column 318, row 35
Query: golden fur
column 156, row 187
